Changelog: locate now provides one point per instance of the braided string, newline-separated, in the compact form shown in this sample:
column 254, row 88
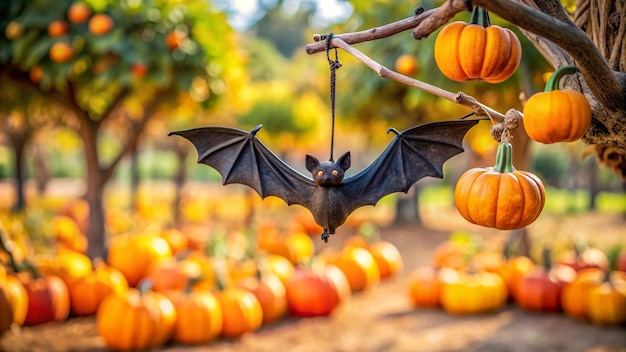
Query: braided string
column 334, row 65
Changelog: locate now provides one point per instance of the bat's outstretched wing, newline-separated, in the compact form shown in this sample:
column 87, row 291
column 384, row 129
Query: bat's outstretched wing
column 414, row 153
column 240, row 157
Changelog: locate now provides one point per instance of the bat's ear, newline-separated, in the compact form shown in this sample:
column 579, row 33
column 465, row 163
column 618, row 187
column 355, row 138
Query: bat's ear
column 311, row 162
column 344, row 161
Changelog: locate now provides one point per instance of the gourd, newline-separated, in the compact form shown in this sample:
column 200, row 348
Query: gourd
column 500, row 196
column 478, row 50
column 557, row 115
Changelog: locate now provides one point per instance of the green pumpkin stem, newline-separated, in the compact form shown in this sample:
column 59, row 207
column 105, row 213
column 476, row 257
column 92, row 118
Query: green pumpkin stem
column 504, row 158
column 480, row 16
column 553, row 82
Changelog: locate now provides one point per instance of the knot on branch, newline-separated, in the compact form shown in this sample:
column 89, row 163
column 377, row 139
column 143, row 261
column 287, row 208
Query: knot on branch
column 512, row 119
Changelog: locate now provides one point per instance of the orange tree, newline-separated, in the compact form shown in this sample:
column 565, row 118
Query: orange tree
column 106, row 63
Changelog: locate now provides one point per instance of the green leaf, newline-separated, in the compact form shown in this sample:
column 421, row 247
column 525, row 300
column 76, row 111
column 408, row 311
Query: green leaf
column 21, row 44
column 36, row 52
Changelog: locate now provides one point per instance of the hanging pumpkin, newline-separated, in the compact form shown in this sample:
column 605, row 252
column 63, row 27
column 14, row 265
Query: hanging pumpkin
column 135, row 320
column 478, row 50
column 500, row 196
column 557, row 115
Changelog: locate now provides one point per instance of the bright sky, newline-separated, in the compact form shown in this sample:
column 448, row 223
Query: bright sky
column 246, row 12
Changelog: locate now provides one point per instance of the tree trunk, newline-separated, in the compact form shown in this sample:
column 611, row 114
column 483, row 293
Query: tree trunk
column 134, row 178
column 94, row 192
column 19, row 145
column 179, row 179
column 407, row 209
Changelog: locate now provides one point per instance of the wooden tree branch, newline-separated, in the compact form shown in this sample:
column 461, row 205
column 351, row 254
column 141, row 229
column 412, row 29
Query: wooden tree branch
column 602, row 81
column 136, row 130
column 458, row 98
column 373, row 33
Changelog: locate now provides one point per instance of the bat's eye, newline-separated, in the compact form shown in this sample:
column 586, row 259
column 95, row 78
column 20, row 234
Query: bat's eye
column 335, row 172
column 320, row 173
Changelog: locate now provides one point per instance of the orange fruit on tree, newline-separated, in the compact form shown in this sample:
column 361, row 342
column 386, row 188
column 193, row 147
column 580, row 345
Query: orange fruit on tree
column 36, row 74
column 57, row 28
column 79, row 12
column 100, row 24
column 174, row 39
column 61, row 52
column 406, row 64
column 139, row 70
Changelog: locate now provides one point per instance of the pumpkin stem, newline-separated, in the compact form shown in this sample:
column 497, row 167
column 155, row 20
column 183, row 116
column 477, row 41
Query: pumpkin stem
column 504, row 158
column 553, row 82
column 546, row 254
column 144, row 286
column 7, row 246
column 481, row 17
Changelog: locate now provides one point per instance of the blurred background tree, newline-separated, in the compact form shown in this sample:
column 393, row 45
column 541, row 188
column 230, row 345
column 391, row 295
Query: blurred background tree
column 113, row 65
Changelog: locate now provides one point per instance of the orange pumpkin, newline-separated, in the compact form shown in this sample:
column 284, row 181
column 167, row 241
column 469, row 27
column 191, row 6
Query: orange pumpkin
column 312, row 293
column 513, row 270
column 88, row 292
column 67, row 264
column 500, row 197
column 173, row 274
column 241, row 311
column 270, row 292
column 607, row 302
column 425, row 287
column 198, row 315
column 575, row 295
column 137, row 319
column 298, row 247
column 359, row 267
column 557, row 115
column 280, row 266
column 477, row 51
column 134, row 256
column 541, row 288
column 13, row 301
column 48, row 299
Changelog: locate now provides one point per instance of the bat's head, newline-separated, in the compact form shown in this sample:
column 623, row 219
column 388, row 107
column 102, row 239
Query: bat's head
column 328, row 173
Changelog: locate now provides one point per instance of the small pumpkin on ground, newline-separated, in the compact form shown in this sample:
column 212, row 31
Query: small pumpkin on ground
column 87, row 292
column 472, row 292
column 500, row 196
column 137, row 319
column 541, row 288
column 198, row 315
column 478, row 50
column 557, row 115
column 313, row 293
column 424, row 285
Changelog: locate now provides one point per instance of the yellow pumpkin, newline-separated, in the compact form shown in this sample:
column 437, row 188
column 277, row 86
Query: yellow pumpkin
column 477, row 51
column 472, row 293
column 557, row 115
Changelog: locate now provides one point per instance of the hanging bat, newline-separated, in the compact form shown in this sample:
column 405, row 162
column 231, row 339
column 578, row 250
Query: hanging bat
column 240, row 157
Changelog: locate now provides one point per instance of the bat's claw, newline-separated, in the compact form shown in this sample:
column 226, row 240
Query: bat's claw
column 325, row 236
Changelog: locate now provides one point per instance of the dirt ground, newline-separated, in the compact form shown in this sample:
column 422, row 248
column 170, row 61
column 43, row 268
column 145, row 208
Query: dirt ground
column 382, row 319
